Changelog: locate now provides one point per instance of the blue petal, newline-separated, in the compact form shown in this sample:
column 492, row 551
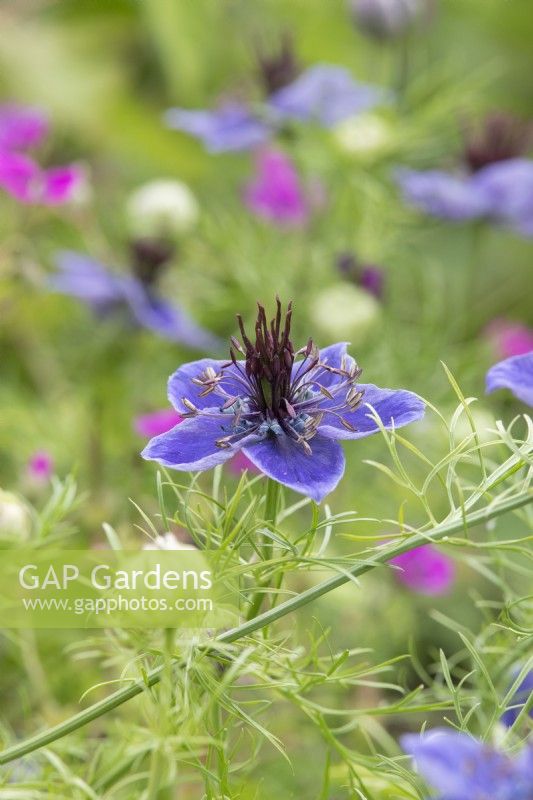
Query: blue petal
column 518, row 700
column 442, row 195
column 231, row 127
column 524, row 772
column 508, row 189
column 191, row 445
column 283, row 459
column 459, row 766
column 88, row 280
column 395, row 408
column 334, row 356
column 516, row 374
column 324, row 93
column 181, row 384
column 168, row 320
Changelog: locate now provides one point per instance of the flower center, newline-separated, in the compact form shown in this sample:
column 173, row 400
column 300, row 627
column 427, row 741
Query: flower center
column 278, row 390
column 277, row 70
column 500, row 138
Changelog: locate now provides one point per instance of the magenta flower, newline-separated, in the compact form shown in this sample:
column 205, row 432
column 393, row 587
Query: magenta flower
column 40, row 467
column 21, row 176
column 509, row 338
column 285, row 409
column 21, row 127
column 156, row 422
column 30, row 184
column 276, row 193
column 425, row 570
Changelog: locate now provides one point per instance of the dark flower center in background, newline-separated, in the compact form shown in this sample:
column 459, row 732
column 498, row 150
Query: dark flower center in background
column 501, row 137
column 148, row 257
column 277, row 70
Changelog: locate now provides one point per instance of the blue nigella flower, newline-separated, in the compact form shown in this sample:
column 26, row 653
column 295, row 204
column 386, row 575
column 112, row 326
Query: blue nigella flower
column 516, row 374
column 519, row 699
column 231, row 127
column 324, row 94
column 284, row 409
column 106, row 293
column 501, row 192
column 460, row 767
column 497, row 184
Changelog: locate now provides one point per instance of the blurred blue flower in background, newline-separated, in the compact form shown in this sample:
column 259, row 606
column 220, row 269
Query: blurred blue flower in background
column 231, row 127
column 460, row 767
column 285, row 409
column 106, row 293
column 501, row 192
column 324, row 94
column 516, row 374
column 497, row 184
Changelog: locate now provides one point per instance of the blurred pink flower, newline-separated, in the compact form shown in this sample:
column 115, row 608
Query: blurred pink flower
column 509, row 338
column 240, row 462
column 20, row 176
column 157, row 422
column 40, row 467
column 276, row 193
column 425, row 570
column 27, row 182
column 21, row 127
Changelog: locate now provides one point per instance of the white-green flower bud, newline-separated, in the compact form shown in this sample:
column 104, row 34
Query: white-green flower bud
column 365, row 135
column 15, row 520
column 168, row 541
column 161, row 209
column 345, row 312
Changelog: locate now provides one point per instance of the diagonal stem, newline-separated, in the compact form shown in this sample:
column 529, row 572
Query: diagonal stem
column 457, row 524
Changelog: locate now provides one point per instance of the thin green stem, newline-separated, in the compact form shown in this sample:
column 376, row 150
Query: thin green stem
column 271, row 515
column 440, row 532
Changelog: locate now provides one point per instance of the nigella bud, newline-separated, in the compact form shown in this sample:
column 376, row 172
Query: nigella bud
column 372, row 279
column 15, row 520
column 162, row 209
column 386, row 19
column 168, row 541
column 148, row 257
column 365, row 137
column 369, row 277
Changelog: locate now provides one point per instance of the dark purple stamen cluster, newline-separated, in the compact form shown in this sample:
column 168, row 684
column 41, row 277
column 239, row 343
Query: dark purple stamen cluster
column 277, row 70
column 500, row 138
column 281, row 391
